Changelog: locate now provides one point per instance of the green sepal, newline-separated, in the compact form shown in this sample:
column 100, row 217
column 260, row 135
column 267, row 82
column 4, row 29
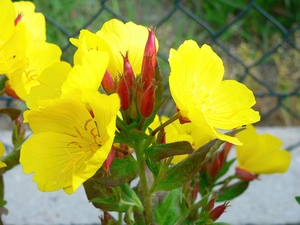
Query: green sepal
column 168, row 211
column 11, row 112
column 121, row 171
column 3, row 80
column 161, row 151
column 232, row 191
column 182, row 172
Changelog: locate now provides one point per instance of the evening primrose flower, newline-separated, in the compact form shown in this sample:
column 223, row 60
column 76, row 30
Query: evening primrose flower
column 117, row 39
column 12, row 39
column 202, row 97
column 261, row 153
column 26, row 54
column 70, row 143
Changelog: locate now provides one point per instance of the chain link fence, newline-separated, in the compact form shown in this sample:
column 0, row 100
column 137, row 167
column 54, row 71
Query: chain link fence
column 257, row 45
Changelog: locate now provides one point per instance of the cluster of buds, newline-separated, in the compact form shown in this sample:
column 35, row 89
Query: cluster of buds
column 137, row 93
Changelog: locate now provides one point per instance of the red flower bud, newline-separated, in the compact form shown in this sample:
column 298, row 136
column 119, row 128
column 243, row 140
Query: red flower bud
column 245, row 175
column 216, row 164
column 128, row 72
column 110, row 158
column 218, row 211
column 147, row 72
column 108, row 83
column 210, row 205
column 150, row 48
column 124, row 93
column 147, row 102
column 149, row 60
column 18, row 19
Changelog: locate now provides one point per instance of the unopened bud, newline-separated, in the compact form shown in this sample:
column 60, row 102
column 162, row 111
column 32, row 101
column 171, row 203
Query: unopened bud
column 148, row 101
column 128, row 72
column 110, row 158
column 149, row 60
column 218, row 211
column 245, row 175
column 19, row 132
column 108, row 83
column 216, row 165
column 124, row 93
column 210, row 205
column 150, row 48
column 147, row 73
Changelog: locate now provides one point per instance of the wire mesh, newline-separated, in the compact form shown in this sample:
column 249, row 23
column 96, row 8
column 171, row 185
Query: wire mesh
column 267, row 65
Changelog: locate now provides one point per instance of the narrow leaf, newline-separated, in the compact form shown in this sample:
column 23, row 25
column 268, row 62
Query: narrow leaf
column 233, row 191
column 162, row 151
column 185, row 170
column 298, row 199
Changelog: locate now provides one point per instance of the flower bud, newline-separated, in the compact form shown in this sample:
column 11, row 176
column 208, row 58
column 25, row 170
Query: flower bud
column 110, row 158
column 218, row 211
column 128, row 72
column 124, row 94
column 149, row 60
column 147, row 72
column 108, row 83
column 150, row 48
column 210, row 205
column 148, row 101
column 215, row 165
column 245, row 175
column 19, row 132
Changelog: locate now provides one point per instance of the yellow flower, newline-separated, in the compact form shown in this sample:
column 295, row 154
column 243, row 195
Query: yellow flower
column 202, row 97
column 116, row 38
column 24, row 52
column 182, row 132
column 2, row 150
column 12, row 40
column 261, row 153
column 70, row 143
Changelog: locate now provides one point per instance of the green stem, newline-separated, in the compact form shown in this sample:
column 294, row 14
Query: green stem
column 11, row 160
column 171, row 120
column 120, row 218
column 143, row 180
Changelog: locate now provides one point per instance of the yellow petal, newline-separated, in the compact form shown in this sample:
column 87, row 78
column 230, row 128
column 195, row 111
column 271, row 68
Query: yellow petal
column 264, row 155
column 87, row 75
column 2, row 150
column 229, row 106
column 7, row 17
column 49, row 88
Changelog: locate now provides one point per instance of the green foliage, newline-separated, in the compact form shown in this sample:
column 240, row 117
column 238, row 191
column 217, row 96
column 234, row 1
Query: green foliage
column 233, row 191
column 298, row 199
column 161, row 151
column 169, row 210
column 121, row 171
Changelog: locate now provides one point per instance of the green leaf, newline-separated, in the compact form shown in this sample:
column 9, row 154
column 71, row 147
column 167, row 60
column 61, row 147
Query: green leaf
column 11, row 112
column 105, row 198
column 298, row 199
column 232, row 191
column 130, row 198
column 121, row 171
column 221, row 223
column 3, row 80
column 182, row 172
column 162, row 151
column 169, row 210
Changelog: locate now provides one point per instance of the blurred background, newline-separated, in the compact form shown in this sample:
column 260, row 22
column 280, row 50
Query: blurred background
column 258, row 40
